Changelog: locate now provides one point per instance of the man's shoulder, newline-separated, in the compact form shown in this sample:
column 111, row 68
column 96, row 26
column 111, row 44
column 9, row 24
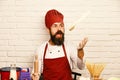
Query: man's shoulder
column 42, row 45
column 69, row 43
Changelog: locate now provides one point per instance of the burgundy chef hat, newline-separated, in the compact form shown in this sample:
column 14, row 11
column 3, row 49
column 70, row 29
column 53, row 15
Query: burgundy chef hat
column 53, row 16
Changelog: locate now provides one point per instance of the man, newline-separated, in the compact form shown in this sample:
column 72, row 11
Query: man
column 57, row 56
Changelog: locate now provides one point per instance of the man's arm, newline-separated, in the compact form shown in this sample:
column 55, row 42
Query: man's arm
column 81, row 53
column 80, row 48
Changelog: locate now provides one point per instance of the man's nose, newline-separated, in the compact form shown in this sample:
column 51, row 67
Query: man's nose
column 59, row 28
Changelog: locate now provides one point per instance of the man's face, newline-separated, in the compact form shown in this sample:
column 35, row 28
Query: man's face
column 57, row 33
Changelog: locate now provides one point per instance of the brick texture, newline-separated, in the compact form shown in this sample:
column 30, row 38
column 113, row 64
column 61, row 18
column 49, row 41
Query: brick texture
column 22, row 29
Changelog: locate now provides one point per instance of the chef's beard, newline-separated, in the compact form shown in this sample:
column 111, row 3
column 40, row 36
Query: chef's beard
column 57, row 41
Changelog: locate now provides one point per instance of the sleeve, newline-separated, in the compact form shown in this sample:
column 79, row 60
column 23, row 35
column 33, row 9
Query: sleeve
column 40, row 52
column 76, row 62
column 80, row 64
column 37, row 52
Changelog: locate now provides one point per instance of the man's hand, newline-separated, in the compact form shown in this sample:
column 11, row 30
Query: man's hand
column 35, row 76
column 83, row 43
column 80, row 48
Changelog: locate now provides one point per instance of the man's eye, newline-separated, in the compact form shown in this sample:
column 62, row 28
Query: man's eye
column 62, row 25
column 55, row 25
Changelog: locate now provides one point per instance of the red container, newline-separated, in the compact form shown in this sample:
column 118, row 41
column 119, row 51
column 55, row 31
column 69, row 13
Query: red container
column 5, row 73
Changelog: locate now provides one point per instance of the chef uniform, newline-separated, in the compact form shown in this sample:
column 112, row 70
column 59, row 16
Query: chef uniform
column 55, row 62
column 57, row 68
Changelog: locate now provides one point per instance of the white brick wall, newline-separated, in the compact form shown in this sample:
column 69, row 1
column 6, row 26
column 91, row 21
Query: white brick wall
column 22, row 29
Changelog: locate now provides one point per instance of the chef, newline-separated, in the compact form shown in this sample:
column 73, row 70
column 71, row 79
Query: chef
column 57, row 56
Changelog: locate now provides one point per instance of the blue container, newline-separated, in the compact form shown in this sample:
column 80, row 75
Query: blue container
column 25, row 75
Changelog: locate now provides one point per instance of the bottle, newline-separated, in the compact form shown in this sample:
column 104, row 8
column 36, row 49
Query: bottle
column 13, row 75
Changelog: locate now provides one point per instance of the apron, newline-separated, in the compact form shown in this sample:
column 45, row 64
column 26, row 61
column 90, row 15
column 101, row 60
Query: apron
column 57, row 68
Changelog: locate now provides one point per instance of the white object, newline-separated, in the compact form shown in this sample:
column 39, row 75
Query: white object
column 114, row 78
column 79, row 20
column 84, row 78
column 13, row 74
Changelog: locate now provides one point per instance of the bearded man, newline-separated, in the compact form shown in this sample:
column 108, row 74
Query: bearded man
column 57, row 56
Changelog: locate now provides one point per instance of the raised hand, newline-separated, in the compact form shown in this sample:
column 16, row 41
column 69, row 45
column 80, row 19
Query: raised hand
column 83, row 43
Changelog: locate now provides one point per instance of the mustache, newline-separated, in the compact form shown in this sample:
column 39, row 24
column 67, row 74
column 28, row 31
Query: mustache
column 59, row 32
